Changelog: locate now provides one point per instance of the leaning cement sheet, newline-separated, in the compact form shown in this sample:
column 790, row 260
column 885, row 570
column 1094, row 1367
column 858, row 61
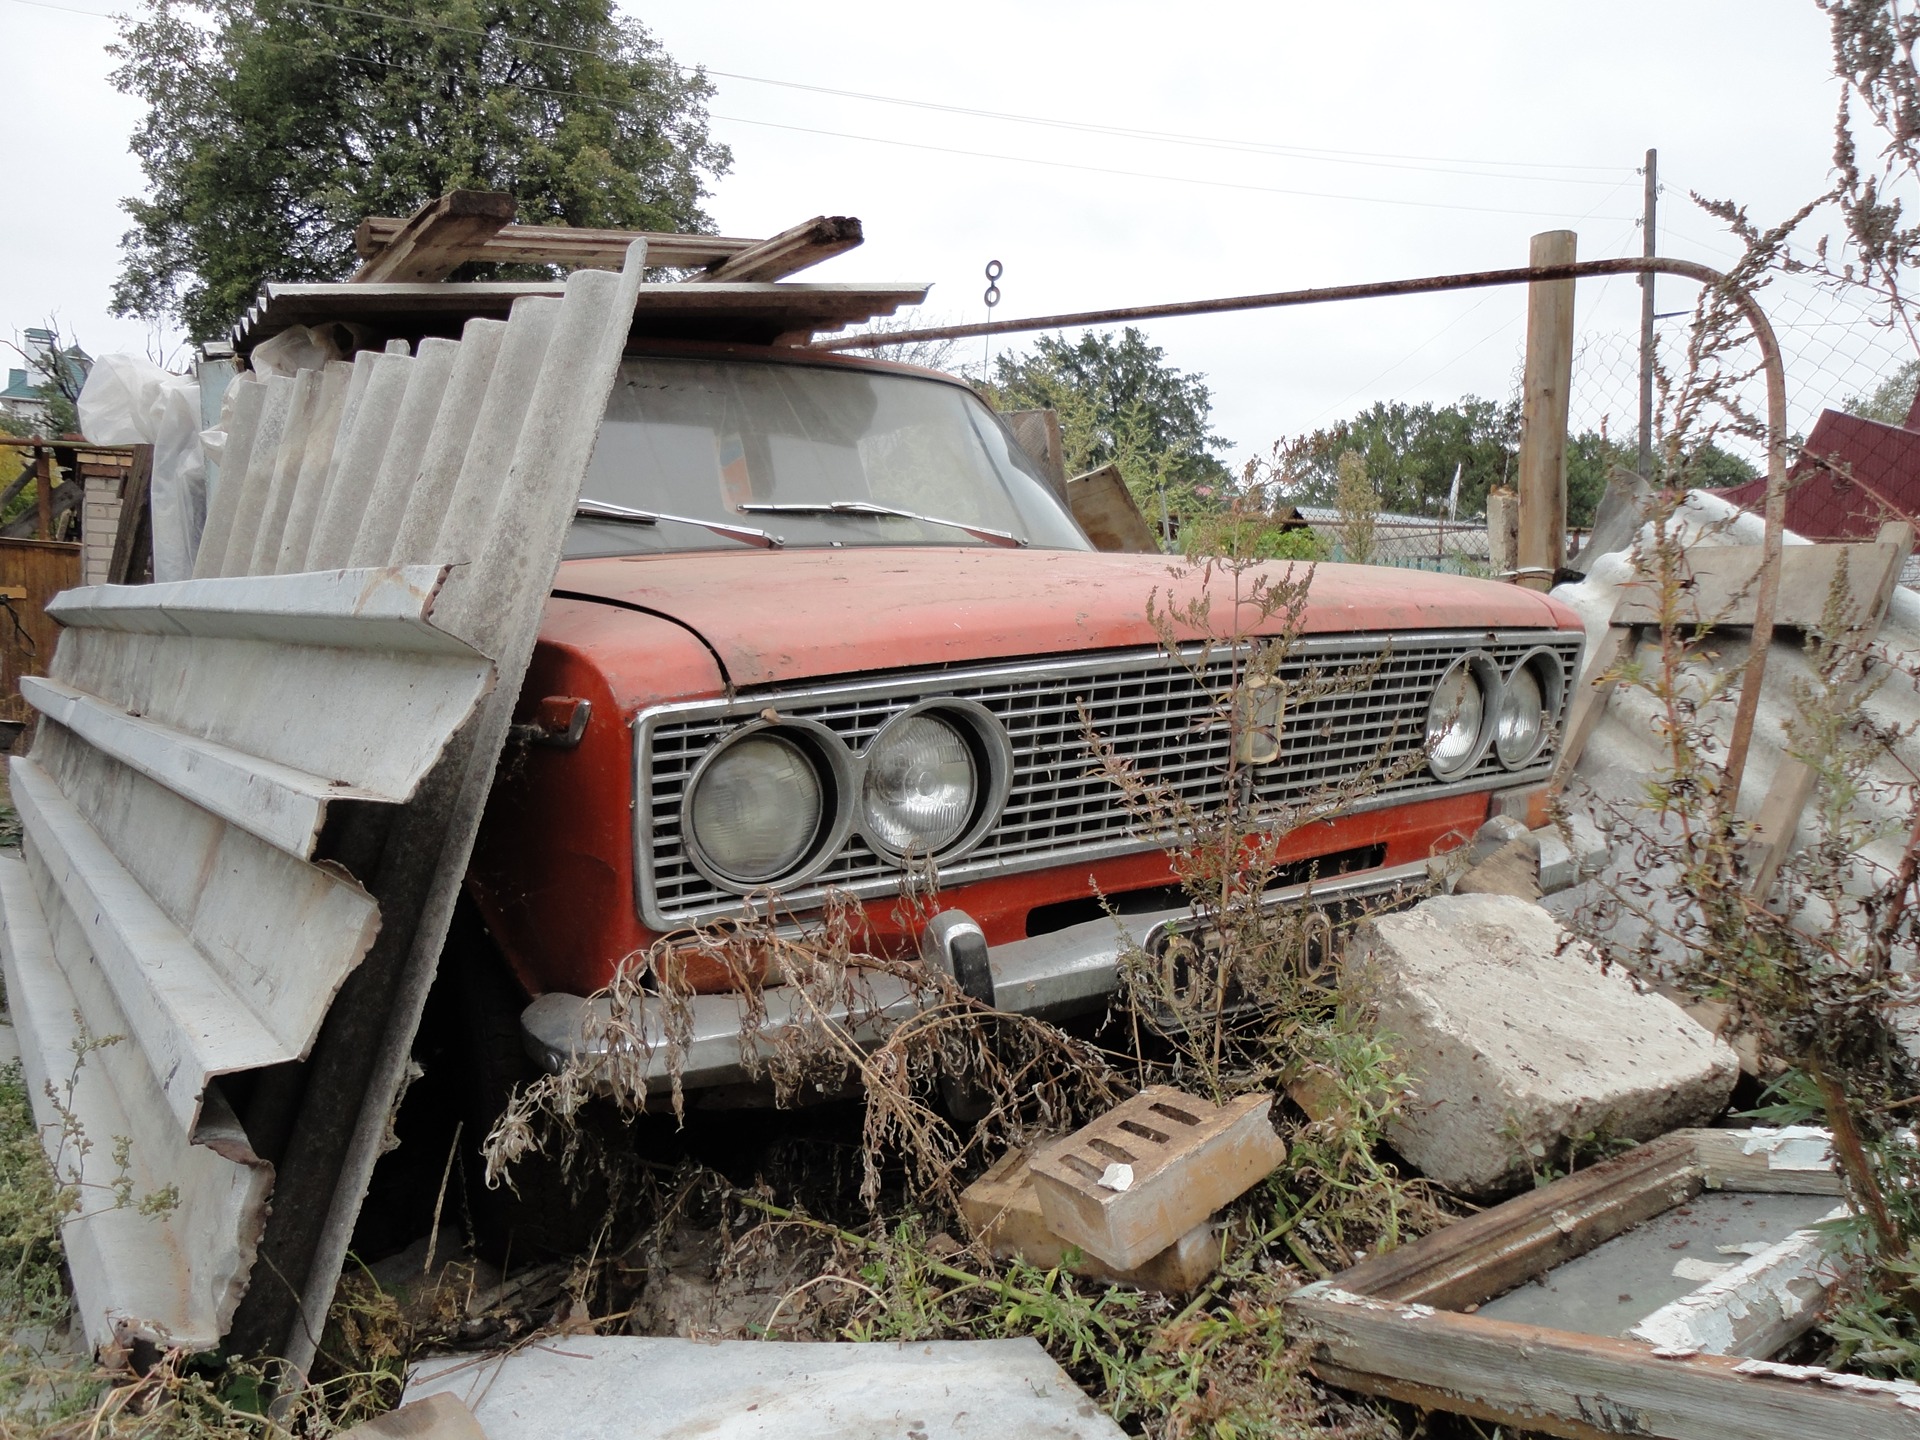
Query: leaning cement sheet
column 612, row 1386
column 250, row 798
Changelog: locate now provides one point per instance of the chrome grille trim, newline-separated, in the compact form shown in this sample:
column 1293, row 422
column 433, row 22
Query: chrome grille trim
column 1145, row 702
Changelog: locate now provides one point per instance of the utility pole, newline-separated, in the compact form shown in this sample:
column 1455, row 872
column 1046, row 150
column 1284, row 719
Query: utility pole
column 1652, row 173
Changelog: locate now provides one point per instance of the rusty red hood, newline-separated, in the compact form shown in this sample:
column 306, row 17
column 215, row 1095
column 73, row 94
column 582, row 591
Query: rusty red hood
column 785, row 615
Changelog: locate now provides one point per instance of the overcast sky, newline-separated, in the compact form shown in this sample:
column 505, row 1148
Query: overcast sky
column 1343, row 142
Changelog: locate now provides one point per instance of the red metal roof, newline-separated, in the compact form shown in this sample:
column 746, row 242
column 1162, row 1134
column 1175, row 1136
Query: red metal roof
column 1853, row 475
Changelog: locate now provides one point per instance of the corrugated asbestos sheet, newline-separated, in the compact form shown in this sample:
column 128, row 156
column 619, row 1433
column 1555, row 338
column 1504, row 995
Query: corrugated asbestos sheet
column 251, row 799
column 1626, row 748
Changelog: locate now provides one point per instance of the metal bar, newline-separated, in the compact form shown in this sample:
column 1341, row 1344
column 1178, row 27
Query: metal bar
column 1646, row 317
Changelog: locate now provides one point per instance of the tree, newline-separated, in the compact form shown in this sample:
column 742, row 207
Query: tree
column 58, row 371
column 1892, row 398
column 1411, row 454
column 1120, row 402
column 274, row 126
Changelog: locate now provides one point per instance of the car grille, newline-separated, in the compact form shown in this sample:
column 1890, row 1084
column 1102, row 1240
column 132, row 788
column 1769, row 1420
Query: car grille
column 1157, row 713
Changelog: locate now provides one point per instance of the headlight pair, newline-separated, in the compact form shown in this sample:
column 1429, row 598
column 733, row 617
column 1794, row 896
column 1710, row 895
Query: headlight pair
column 1473, row 708
column 775, row 800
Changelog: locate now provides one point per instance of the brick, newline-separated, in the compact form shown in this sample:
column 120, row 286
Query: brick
column 1002, row 1211
column 1188, row 1157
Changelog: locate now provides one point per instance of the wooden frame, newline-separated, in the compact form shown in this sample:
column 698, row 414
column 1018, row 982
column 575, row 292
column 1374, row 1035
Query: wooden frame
column 1397, row 1325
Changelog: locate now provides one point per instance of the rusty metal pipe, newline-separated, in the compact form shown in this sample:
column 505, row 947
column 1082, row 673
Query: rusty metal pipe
column 1775, row 511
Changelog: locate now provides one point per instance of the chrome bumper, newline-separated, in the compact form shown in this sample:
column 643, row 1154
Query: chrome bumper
column 1069, row 972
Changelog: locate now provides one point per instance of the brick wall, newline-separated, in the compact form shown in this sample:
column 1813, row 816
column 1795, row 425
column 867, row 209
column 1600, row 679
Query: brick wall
column 103, row 474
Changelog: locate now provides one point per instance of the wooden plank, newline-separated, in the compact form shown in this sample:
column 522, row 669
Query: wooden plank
column 1871, row 573
column 742, row 313
column 43, row 481
column 1764, row 1162
column 1107, row 511
column 1038, row 432
column 793, row 250
column 1582, row 1386
column 1473, row 1260
column 1544, row 395
column 1590, row 697
column 28, row 634
column 1760, row 1306
column 132, row 561
column 575, row 247
column 438, row 238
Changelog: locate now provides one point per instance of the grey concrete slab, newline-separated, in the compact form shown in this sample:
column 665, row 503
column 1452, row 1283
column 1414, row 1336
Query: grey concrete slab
column 608, row 1387
column 1610, row 1289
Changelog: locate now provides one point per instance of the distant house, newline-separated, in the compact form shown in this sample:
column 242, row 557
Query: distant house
column 23, row 398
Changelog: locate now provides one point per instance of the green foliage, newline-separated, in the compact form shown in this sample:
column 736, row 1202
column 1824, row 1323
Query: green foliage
column 1241, row 533
column 1411, row 453
column 274, row 126
column 1120, row 402
column 1358, row 504
column 1891, row 399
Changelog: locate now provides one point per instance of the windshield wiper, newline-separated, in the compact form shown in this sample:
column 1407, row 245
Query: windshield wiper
column 867, row 507
column 606, row 510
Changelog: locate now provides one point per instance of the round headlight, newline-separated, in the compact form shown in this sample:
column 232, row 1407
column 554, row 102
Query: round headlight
column 921, row 785
column 1457, row 718
column 1529, row 706
column 757, row 808
column 1522, row 724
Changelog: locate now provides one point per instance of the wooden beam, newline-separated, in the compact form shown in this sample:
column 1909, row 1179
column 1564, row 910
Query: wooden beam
column 1473, row 1260
column 133, row 540
column 438, row 238
column 575, row 247
column 1582, row 1386
column 778, row 256
column 1104, row 508
column 43, row 493
column 1544, row 396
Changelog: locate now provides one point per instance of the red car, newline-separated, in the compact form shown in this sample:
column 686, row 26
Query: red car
column 823, row 618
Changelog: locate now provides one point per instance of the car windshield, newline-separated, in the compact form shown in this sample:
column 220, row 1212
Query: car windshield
column 770, row 446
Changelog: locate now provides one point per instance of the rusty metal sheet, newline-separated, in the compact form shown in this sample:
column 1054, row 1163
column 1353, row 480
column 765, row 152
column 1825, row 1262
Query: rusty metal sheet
column 250, row 801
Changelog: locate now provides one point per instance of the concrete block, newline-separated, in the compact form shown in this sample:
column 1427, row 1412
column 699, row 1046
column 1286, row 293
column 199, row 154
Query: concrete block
column 1518, row 1041
column 1002, row 1211
column 1592, row 847
column 1558, row 866
column 1134, row 1181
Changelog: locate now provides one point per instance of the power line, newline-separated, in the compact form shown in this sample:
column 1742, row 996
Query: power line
column 918, row 145
column 1332, row 156
column 1427, row 164
column 1143, row 174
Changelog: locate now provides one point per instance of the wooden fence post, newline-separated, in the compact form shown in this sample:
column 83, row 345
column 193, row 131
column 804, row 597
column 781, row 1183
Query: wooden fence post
column 1543, row 415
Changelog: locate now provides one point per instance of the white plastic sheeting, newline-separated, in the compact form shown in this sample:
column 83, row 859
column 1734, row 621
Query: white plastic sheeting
column 363, row 607
column 128, row 400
